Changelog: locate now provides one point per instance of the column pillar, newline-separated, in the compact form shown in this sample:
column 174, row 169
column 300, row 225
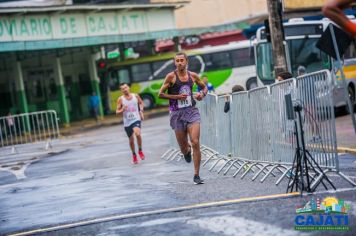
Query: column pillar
column 64, row 113
column 94, row 79
column 21, row 93
column 20, row 88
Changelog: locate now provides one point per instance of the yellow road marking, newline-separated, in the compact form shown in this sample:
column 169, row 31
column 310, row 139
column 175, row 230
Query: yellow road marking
column 160, row 211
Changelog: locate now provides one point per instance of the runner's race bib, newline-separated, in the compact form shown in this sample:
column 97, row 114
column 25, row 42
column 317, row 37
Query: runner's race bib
column 185, row 103
column 130, row 116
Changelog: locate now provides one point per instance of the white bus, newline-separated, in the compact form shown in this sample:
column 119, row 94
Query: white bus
column 225, row 66
column 301, row 38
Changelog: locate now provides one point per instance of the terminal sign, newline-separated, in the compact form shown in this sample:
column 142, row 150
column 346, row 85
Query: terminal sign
column 61, row 26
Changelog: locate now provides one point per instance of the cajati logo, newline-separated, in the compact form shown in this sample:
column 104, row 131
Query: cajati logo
column 327, row 214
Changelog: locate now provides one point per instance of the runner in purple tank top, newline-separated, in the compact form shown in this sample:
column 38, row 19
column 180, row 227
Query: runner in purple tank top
column 184, row 116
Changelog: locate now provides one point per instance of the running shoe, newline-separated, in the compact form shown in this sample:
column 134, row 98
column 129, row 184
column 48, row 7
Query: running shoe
column 134, row 159
column 188, row 156
column 197, row 180
column 142, row 156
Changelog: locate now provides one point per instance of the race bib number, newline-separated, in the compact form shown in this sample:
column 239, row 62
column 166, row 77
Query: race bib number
column 185, row 103
column 130, row 116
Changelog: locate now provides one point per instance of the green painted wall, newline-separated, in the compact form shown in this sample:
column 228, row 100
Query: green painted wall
column 64, row 114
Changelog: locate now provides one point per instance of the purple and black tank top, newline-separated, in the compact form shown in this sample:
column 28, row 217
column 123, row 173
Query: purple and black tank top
column 180, row 87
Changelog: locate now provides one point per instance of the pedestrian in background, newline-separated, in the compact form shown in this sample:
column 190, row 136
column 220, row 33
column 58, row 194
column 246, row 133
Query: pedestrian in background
column 210, row 87
column 10, row 124
column 235, row 89
column 301, row 70
column 94, row 106
column 284, row 76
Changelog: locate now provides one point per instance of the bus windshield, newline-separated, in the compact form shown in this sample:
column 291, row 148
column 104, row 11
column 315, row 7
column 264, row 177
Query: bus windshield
column 302, row 52
column 265, row 62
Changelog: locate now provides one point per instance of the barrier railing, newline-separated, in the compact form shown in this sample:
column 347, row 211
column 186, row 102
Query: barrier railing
column 256, row 137
column 35, row 127
column 315, row 92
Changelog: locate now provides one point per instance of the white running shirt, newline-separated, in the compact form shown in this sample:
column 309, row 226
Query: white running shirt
column 132, row 114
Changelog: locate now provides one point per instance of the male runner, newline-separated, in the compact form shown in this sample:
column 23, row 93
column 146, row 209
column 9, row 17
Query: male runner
column 184, row 116
column 132, row 107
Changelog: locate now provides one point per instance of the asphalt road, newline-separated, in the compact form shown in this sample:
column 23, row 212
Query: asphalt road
column 90, row 176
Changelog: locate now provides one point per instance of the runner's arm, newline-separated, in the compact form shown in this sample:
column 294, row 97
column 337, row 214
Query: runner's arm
column 119, row 107
column 334, row 11
column 201, row 84
column 140, row 103
column 162, row 92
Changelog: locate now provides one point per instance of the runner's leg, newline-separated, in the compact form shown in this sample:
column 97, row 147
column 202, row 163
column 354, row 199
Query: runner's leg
column 137, row 132
column 194, row 135
column 182, row 140
column 132, row 143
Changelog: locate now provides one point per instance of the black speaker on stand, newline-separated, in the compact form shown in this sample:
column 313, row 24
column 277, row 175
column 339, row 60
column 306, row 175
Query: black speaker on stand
column 303, row 161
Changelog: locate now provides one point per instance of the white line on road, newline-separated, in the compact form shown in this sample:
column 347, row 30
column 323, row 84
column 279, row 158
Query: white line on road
column 160, row 211
column 332, row 191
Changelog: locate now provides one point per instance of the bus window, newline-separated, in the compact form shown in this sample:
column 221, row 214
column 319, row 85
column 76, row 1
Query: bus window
column 304, row 52
column 36, row 88
column 162, row 68
column 265, row 62
column 195, row 64
column 242, row 57
column 216, row 61
column 118, row 77
column 141, row 72
column 350, row 52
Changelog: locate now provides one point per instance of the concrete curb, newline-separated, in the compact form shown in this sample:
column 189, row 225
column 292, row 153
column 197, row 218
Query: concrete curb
column 346, row 150
column 107, row 123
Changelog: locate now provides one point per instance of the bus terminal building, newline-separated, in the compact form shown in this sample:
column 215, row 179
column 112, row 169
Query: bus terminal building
column 48, row 55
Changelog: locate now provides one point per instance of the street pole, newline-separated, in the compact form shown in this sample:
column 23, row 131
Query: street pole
column 275, row 25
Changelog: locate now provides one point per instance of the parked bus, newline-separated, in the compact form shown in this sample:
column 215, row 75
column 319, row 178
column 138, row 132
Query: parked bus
column 300, row 43
column 225, row 66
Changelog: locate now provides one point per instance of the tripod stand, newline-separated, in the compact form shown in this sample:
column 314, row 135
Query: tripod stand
column 303, row 161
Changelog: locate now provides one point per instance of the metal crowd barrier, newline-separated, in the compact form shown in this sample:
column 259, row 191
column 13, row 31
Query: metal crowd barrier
column 18, row 131
column 315, row 92
column 174, row 151
column 283, row 144
column 255, row 136
column 208, row 129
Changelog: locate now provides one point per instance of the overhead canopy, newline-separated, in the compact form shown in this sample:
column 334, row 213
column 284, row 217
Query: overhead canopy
column 89, row 25
column 72, row 26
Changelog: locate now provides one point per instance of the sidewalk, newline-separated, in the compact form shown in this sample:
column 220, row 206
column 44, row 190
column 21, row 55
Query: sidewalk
column 346, row 137
column 109, row 120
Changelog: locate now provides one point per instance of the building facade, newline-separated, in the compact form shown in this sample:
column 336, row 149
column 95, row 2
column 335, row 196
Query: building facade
column 48, row 55
column 206, row 13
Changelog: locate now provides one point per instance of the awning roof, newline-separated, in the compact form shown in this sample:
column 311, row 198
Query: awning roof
column 91, row 7
column 238, row 24
column 110, row 39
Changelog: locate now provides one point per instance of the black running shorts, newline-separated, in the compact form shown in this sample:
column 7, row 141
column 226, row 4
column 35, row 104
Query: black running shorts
column 129, row 129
